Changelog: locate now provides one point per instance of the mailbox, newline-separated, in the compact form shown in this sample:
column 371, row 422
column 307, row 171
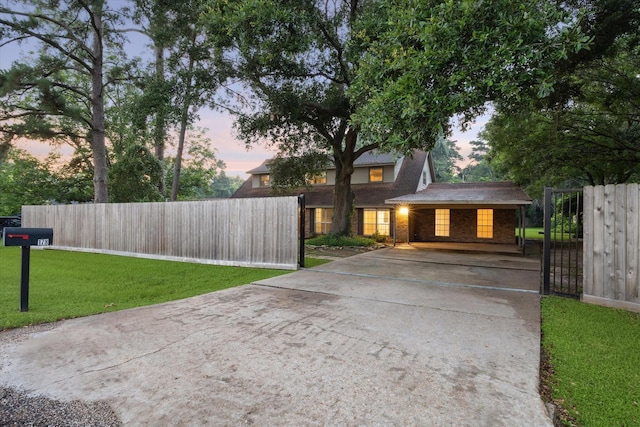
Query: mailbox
column 19, row 236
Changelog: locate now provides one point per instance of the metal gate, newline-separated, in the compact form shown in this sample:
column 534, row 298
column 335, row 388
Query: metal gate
column 562, row 254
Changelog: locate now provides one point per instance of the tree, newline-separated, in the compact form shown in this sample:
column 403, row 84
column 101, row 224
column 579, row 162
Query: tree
column 296, row 61
column 224, row 186
column 592, row 137
column 431, row 60
column 60, row 94
column 200, row 167
column 183, row 77
column 445, row 154
column 478, row 169
column 345, row 77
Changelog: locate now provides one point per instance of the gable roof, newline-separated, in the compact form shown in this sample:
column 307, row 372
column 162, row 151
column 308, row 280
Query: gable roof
column 366, row 195
column 504, row 193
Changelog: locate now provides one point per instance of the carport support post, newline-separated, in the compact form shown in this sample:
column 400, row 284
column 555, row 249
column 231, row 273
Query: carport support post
column 24, row 279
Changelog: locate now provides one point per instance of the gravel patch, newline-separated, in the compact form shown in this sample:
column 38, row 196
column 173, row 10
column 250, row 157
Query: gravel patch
column 17, row 408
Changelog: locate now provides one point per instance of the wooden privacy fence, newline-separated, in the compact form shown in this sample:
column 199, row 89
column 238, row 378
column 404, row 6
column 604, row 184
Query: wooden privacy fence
column 260, row 232
column 612, row 246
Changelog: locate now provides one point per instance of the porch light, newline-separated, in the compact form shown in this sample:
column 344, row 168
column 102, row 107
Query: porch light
column 404, row 210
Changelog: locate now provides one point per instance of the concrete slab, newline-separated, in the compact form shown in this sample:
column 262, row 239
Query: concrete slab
column 391, row 337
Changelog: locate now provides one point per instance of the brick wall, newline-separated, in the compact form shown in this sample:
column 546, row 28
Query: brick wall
column 463, row 226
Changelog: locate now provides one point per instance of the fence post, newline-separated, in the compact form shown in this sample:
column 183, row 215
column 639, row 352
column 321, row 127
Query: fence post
column 301, row 205
column 546, row 253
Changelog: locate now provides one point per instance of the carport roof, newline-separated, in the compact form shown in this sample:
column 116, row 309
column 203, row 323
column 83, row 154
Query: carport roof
column 503, row 193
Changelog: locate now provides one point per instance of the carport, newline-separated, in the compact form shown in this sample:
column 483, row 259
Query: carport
column 484, row 213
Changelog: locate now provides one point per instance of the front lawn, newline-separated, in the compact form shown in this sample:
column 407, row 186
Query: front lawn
column 73, row 284
column 594, row 358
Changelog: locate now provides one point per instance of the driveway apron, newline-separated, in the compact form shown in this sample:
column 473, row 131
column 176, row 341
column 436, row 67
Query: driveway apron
column 391, row 337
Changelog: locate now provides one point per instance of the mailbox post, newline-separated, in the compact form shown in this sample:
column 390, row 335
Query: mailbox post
column 26, row 237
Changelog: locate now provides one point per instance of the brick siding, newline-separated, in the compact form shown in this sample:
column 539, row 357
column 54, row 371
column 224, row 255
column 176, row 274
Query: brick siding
column 463, row 226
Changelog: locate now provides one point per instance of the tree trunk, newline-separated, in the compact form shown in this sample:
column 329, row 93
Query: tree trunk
column 184, row 122
column 101, row 194
column 159, row 132
column 342, row 195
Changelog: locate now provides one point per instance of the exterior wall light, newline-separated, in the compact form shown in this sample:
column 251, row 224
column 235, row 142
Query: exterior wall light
column 404, row 210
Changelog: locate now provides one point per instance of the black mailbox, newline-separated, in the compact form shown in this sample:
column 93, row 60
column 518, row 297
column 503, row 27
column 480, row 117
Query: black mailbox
column 19, row 236
column 26, row 237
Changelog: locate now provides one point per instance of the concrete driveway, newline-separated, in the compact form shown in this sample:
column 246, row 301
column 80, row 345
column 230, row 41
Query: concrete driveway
column 391, row 337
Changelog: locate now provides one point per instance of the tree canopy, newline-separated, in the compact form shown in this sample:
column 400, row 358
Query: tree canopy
column 344, row 77
column 588, row 132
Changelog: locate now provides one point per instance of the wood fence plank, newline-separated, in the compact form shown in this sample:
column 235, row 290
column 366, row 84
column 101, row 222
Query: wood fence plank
column 587, row 230
column 619, row 244
column 598, row 242
column 633, row 243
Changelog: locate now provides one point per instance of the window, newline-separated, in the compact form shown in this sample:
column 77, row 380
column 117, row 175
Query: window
column 376, row 220
column 321, row 178
column 485, row 223
column 323, row 220
column 375, row 174
column 443, row 219
column 264, row 180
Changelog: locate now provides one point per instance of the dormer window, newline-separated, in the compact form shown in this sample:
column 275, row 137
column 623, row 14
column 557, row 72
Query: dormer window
column 264, row 180
column 376, row 174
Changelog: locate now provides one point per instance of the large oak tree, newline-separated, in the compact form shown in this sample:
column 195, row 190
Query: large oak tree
column 340, row 78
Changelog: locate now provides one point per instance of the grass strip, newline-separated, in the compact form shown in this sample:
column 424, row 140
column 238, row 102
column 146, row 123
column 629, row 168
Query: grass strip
column 73, row 284
column 595, row 355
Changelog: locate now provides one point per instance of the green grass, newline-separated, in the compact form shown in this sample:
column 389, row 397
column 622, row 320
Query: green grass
column 537, row 233
column 595, row 354
column 328, row 240
column 314, row 262
column 73, row 284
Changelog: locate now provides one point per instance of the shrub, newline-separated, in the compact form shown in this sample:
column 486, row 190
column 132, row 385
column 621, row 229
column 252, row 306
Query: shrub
column 328, row 240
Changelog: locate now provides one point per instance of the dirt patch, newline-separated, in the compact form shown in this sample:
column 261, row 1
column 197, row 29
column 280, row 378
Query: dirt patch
column 333, row 252
column 560, row 415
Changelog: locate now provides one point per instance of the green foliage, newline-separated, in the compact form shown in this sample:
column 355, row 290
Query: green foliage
column 588, row 133
column 286, row 173
column 26, row 180
column 595, row 354
column 134, row 176
column 73, row 284
column 297, row 60
column 379, row 238
column 445, row 155
column 224, row 186
column 430, row 60
column 479, row 169
column 329, row 240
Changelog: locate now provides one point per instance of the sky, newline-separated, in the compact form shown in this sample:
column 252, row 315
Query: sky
column 233, row 152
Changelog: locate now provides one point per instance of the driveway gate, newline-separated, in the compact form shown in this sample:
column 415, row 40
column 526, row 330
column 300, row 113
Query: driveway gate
column 562, row 255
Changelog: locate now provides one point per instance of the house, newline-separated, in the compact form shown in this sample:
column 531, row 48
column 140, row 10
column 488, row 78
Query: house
column 377, row 177
column 397, row 196
column 482, row 212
